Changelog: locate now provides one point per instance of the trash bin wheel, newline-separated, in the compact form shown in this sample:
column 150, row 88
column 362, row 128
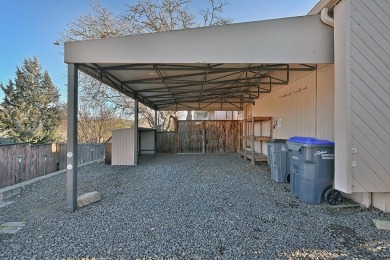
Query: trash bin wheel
column 333, row 197
column 288, row 177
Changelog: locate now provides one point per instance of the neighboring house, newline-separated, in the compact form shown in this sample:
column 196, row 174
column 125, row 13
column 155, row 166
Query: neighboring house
column 217, row 115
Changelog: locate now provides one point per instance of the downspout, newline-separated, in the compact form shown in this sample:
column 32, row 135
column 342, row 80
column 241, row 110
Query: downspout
column 325, row 18
column 367, row 199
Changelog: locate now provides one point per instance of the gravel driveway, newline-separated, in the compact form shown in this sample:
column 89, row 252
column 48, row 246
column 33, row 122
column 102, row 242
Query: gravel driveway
column 186, row 207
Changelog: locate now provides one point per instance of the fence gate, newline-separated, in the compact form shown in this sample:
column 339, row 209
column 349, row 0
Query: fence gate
column 206, row 136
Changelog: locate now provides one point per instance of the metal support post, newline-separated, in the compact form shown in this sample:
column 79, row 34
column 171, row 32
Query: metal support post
column 71, row 161
column 155, row 127
column 136, row 143
column 155, row 119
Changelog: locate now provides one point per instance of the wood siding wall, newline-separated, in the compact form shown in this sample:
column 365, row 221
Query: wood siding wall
column 22, row 162
column 370, row 94
column 305, row 107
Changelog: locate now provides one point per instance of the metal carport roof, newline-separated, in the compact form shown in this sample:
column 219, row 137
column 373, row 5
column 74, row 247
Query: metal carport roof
column 210, row 68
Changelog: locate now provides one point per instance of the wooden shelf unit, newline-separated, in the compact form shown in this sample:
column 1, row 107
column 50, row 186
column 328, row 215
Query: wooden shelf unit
column 249, row 134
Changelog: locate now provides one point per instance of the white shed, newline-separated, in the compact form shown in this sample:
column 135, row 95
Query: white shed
column 123, row 147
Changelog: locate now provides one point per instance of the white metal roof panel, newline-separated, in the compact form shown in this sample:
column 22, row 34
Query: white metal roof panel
column 289, row 40
column 210, row 68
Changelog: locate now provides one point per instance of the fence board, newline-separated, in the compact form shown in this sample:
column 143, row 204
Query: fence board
column 11, row 170
column 222, row 136
column 42, row 160
column 61, row 149
column 165, row 142
column 190, row 136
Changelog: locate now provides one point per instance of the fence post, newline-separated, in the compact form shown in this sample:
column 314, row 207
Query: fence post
column 58, row 157
column 72, row 155
column 204, row 136
column 44, row 165
column 176, row 139
column 20, row 169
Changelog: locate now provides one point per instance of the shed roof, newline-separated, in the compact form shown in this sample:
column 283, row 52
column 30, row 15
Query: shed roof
column 210, row 68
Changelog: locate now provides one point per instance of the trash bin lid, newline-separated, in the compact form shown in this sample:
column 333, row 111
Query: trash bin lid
column 277, row 141
column 310, row 141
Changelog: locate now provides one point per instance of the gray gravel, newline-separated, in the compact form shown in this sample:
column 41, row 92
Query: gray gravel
column 186, row 207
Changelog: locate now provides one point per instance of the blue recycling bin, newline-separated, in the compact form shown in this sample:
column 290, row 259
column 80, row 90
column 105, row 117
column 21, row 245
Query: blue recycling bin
column 311, row 168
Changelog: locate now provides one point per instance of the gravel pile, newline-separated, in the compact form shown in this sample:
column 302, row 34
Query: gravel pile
column 186, row 207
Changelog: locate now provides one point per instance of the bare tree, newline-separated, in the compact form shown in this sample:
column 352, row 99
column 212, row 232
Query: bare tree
column 97, row 118
column 166, row 15
column 212, row 15
column 165, row 118
column 159, row 16
column 144, row 16
column 100, row 23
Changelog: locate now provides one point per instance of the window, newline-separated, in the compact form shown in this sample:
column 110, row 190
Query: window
column 201, row 115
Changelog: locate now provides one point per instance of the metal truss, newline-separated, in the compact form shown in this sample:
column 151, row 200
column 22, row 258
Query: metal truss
column 170, row 86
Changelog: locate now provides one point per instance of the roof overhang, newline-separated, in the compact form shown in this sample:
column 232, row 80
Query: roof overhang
column 210, row 68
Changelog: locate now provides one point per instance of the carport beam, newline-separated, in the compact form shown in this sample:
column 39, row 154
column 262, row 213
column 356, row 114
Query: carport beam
column 71, row 155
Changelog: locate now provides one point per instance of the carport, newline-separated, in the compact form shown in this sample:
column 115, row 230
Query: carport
column 211, row 68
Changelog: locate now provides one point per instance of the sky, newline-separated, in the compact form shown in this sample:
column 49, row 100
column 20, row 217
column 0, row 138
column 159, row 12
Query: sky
column 29, row 28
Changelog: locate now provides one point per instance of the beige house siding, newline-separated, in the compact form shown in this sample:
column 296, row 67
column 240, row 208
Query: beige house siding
column 370, row 80
column 325, row 103
column 305, row 107
column 363, row 161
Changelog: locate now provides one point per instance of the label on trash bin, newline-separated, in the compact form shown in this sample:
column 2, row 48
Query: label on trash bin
column 324, row 155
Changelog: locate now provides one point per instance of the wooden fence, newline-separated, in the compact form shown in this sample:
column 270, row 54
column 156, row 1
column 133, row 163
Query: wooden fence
column 22, row 162
column 209, row 136
column 165, row 142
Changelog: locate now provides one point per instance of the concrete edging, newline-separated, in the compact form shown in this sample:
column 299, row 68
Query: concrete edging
column 14, row 190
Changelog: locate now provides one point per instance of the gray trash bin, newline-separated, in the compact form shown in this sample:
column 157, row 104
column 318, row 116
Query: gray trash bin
column 278, row 159
column 311, row 168
column 269, row 144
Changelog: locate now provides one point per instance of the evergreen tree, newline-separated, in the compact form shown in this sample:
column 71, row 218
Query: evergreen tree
column 30, row 111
